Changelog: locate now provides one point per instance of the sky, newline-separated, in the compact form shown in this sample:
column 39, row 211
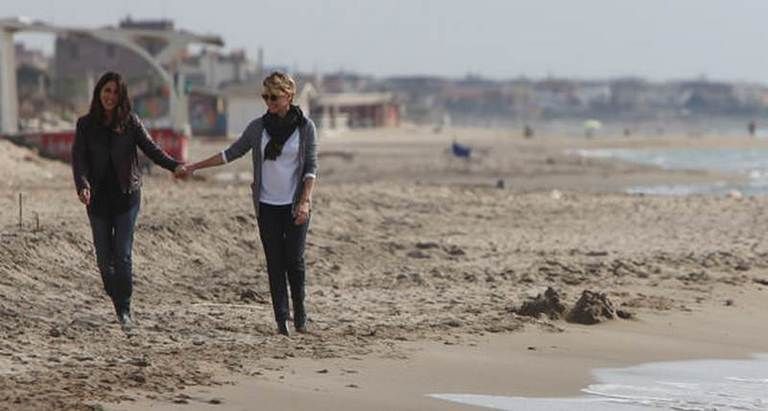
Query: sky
column 656, row 39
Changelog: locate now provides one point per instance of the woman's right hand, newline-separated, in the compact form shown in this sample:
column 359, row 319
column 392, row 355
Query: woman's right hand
column 85, row 196
column 184, row 171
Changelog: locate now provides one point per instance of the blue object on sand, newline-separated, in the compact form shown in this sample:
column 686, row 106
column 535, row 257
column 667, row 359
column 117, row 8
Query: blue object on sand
column 461, row 150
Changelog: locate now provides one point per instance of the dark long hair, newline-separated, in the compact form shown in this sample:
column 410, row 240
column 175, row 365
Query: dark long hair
column 122, row 109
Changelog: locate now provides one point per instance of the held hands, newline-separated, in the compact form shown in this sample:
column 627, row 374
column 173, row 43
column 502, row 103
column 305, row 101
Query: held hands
column 183, row 171
column 302, row 212
column 85, row 196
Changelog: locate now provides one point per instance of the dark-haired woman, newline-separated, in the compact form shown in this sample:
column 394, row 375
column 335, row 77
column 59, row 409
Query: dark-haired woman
column 107, row 175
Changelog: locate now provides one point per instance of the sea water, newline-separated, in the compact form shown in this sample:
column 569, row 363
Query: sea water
column 751, row 163
column 700, row 385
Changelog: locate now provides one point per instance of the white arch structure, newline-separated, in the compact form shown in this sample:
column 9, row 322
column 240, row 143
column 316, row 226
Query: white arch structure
column 176, row 40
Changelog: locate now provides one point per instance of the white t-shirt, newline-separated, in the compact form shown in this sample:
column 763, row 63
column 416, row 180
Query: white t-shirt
column 280, row 177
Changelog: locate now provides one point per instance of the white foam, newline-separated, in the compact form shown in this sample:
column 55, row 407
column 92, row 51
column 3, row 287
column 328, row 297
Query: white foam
column 679, row 385
column 752, row 163
column 538, row 404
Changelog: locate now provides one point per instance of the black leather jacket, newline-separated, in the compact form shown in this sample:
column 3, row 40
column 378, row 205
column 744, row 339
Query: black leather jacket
column 91, row 153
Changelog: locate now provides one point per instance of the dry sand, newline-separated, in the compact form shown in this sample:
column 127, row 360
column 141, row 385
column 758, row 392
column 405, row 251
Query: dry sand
column 408, row 249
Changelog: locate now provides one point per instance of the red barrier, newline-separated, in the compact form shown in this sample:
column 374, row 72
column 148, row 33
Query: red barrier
column 58, row 145
column 174, row 143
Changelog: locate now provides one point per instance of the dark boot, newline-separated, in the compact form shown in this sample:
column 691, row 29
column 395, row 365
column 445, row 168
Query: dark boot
column 299, row 317
column 123, row 311
column 126, row 322
column 118, row 308
column 282, row 328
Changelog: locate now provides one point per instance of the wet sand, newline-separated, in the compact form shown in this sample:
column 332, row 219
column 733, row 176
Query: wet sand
column 533, row 362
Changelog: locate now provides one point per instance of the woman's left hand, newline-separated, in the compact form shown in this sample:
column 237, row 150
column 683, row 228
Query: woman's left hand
column 302, row 213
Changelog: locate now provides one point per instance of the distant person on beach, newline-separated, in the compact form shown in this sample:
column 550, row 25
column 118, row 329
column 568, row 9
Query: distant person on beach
column 284, row 153
column 528, row 131
column 107, row 176
column 752, row 128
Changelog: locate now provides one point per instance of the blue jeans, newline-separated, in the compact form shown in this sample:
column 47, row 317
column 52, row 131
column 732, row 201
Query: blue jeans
column 283, row 243
column 113, row 240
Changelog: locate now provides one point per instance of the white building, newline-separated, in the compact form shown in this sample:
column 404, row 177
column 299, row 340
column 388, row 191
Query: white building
column 214, row 70
column 244, row 103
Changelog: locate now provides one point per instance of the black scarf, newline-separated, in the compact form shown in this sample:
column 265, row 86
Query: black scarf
column 279, row 129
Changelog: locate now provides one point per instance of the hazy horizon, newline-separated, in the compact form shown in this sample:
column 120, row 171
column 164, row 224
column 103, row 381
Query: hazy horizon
column 654, row 39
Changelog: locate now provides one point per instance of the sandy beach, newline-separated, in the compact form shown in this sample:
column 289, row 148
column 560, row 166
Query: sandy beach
column 418, row 265
column 532, row 362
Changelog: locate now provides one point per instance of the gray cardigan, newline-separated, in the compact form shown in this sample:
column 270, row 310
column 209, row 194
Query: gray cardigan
column 251, row 140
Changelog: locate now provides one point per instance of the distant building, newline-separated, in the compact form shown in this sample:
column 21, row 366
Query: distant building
column 213, row 69
column 593, row 94
column 709, row 97
column 420, row 96
column 353, row 110
column 31, row 58
column 628, row 94
column 243, row 104
column 343, row 82
column 32, row 82
column 556, row 97
column 32, row 78
column 79, row 60
column 207, row 112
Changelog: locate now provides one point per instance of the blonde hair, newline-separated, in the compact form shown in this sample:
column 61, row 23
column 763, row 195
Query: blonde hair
column 278, row 81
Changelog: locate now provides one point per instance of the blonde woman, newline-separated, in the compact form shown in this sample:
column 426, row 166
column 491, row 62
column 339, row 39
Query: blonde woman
column 283, row 147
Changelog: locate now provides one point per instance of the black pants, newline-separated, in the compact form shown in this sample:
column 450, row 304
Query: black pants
column 283, row 243
column 113, row 240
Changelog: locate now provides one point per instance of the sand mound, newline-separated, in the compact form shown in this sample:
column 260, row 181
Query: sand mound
column 22, row 166
column 547, row 304
column 592, row 308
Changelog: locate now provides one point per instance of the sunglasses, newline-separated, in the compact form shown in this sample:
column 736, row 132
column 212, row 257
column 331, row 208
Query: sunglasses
column 270, row 97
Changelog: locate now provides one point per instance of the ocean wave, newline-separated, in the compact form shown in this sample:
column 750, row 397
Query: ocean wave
column 699, row 385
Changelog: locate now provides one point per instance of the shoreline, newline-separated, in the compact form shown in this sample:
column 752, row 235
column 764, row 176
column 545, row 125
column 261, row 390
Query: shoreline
column 543, row 163
column 532, row 363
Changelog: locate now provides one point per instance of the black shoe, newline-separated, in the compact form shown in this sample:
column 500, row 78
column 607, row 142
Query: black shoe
column 124, row 315
column 299, row 318
column 282, row 328
column 126, row 322
column 118, row 309
column 300, row 324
